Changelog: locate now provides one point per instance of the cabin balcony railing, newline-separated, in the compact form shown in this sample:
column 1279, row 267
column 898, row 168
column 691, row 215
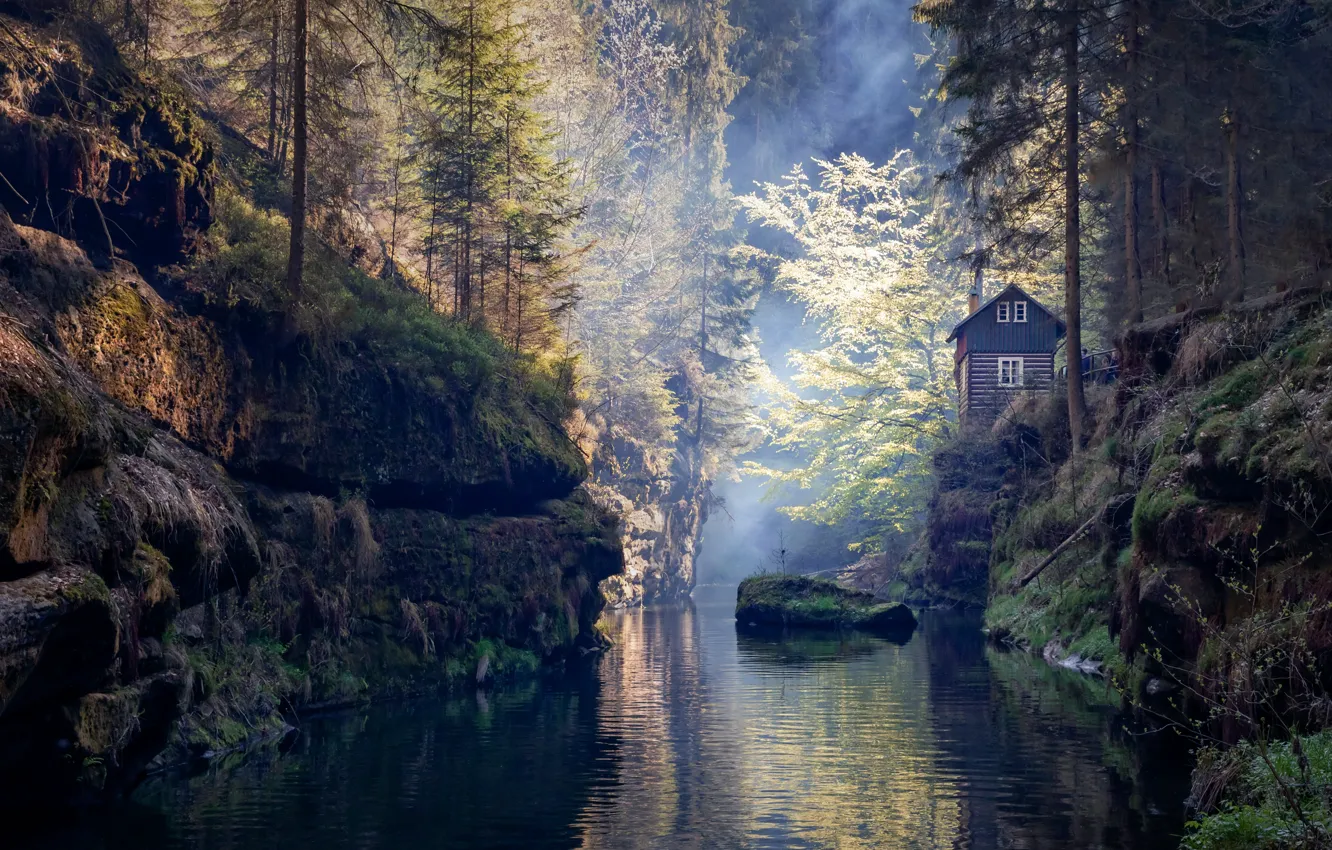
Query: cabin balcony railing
column 1098, row 367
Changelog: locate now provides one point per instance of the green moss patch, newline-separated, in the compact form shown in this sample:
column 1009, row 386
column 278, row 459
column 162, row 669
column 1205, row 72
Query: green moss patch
column 804, row 602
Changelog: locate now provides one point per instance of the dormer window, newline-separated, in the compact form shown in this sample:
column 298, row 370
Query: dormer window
column 1004, row 315
column 1019, row 311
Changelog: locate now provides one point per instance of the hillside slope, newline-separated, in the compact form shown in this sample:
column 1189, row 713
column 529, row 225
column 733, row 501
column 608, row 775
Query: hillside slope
column 1185, row 550
column 218, row 507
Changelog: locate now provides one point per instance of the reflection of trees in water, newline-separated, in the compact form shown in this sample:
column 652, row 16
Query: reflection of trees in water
column 801, row 649
column 746, row 740
column 1068, row 778
column 1124, row 791
column 743, row 739
column 672, row 779
column 691, row 735
column 511, row 769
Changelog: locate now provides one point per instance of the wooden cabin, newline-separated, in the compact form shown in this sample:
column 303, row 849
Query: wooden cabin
column 1005, row 346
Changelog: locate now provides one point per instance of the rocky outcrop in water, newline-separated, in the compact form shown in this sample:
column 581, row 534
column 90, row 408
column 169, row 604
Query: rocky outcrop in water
column 783, row 601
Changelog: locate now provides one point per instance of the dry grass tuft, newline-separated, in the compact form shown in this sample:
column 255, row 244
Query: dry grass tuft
column 414, row 626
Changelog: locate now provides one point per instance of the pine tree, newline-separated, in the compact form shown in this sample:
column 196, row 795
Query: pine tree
column 1030, row 76
column 497, row 203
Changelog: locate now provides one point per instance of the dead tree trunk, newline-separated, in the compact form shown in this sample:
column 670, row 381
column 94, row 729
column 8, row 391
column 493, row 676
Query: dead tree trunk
column 1233, row 201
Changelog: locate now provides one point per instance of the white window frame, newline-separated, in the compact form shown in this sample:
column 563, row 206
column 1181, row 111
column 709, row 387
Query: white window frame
column 1020, row 311
column 1003, row 311
column 1010, row 372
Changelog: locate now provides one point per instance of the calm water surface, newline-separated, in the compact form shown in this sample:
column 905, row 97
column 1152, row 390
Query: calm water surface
column 688, row 735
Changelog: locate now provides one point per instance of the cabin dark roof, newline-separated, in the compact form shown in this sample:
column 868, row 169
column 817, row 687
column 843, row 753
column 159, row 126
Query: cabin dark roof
column 1007, row 290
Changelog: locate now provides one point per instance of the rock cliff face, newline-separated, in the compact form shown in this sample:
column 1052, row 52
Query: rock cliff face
column 662, row 516
column 205, row 526
column 92, row 151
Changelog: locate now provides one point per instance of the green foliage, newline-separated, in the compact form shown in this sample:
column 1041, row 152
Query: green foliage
column 248, row 686
column 1239, row 388
column 1163, row 493
column 341, row 304
column 1073, row 610
column 870, row 404
column 1271, row 780
column 497, row 205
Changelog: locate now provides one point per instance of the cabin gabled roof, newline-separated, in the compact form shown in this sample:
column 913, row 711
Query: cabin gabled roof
column 1011, row 289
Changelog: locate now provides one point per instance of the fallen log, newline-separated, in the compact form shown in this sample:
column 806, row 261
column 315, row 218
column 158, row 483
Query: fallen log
column 1109, row 508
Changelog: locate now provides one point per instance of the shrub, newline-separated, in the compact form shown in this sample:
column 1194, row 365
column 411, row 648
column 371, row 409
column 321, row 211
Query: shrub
column 1278, row 796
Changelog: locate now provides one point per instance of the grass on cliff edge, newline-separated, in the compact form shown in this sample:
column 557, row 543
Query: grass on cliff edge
column 246, row 263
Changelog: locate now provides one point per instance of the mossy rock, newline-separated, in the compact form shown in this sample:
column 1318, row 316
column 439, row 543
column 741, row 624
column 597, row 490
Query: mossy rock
column 804, row 602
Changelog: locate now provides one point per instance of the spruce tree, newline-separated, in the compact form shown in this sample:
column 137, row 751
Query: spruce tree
column 497, row 203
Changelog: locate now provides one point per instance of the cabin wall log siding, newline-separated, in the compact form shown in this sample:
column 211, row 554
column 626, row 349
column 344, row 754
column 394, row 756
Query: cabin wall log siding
column 983, row 398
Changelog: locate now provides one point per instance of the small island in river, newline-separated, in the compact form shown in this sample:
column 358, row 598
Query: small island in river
column 814, row 603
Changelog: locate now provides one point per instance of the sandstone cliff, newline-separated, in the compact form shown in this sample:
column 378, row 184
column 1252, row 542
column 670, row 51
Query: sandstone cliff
column 219, row 509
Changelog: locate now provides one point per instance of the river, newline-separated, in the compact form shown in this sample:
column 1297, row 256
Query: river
column 689, row 735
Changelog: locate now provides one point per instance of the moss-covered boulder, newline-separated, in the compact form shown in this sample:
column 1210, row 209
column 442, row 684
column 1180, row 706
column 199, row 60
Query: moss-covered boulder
column 805, row 602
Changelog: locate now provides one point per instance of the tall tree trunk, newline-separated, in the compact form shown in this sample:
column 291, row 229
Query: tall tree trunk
column 430, row 242
column 397, row 202
column 296, row 256
column 702, row 352
column 284, row 126
column 1161, row 265
column 1233, row 201
column 1072, row 233
column 273, row 86
column 518, row 297
column 508, row 224
column 147, row 29
column 473, row 70
column 1132, row 266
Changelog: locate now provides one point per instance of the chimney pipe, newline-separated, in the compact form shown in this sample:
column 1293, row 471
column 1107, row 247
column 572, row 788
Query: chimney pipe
column 977, row 293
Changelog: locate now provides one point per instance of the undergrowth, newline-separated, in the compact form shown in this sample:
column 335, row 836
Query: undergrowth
column 1264, row 788
column 245, row 263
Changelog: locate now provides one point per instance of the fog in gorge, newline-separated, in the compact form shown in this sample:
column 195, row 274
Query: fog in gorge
column 849, row 90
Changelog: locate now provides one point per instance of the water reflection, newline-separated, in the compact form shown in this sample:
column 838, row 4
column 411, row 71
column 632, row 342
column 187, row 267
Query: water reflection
column 851, row 741
column 691, row 735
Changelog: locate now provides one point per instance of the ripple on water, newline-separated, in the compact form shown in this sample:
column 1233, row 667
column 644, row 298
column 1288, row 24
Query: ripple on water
column 690, row 735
